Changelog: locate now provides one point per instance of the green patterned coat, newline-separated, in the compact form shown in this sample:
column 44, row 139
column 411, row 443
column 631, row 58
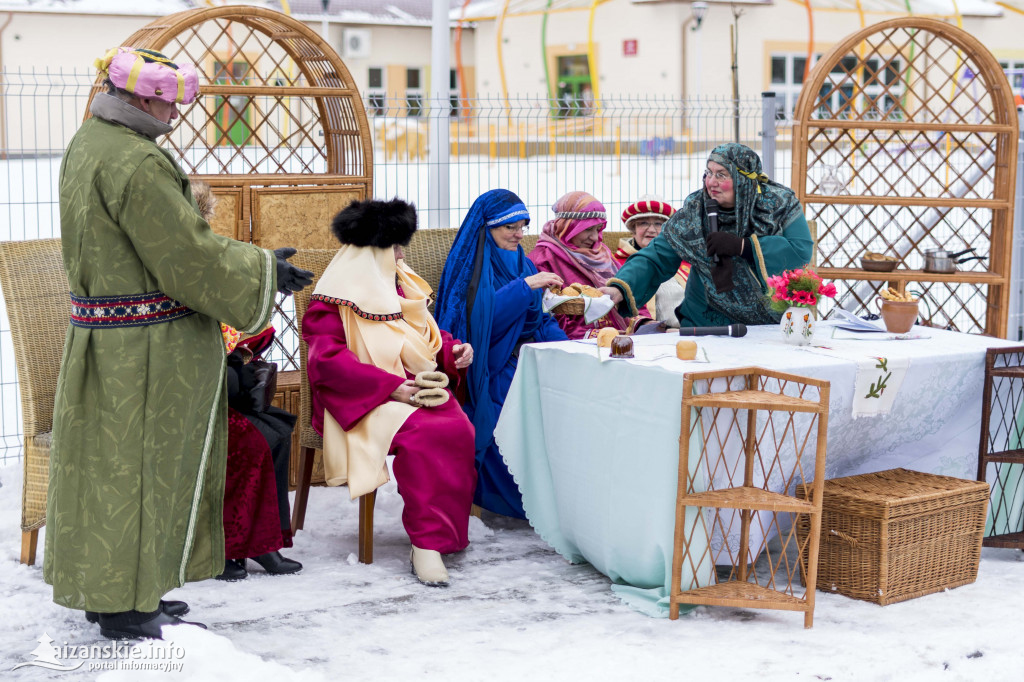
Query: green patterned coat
column 137, row 467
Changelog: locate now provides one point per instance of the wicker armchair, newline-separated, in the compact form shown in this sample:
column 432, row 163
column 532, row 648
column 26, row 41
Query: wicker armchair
column 316, row 261
column 35, row 289
column 427, row 253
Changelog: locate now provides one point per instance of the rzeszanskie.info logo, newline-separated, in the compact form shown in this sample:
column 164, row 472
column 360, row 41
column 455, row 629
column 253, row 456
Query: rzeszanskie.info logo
column 154, row 655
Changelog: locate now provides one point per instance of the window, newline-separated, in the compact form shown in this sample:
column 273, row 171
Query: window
column 453, row 92
column 787, row 80
column 880, row 79
column 413, row 93
column 376, row 97
column 1014, row 71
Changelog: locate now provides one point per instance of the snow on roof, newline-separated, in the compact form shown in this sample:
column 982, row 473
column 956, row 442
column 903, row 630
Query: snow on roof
column 402, row 12
column 489, row 9
column 408, row 12
column 945, row 8
column 150, row 8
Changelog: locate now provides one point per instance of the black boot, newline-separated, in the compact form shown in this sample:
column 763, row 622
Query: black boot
column 171, row 608
column 137, row 625
column 275, row 564
column 234, row 569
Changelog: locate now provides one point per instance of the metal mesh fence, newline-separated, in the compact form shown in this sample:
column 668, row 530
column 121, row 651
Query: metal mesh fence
column 617, row 149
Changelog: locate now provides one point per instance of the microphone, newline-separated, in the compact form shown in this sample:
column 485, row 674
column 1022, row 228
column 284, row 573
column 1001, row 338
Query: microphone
column 712, row 208
column 735, row 330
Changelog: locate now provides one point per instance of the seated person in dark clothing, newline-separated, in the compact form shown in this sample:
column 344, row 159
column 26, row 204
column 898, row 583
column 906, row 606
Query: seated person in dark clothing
column 256, row 515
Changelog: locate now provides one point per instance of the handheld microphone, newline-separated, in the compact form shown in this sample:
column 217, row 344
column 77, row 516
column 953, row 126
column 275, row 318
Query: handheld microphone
column 712, row 208
column 735, row 330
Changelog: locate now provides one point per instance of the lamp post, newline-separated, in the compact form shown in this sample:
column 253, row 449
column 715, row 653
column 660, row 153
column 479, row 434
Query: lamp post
column 698, row 11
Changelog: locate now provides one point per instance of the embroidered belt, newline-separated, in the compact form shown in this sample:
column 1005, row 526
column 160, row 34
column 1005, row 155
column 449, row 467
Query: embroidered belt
column 136, row 310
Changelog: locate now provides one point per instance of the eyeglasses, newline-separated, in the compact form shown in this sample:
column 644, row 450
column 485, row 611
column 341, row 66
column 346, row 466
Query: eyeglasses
column 721, row 176
column 513, row 228
column 648, row 224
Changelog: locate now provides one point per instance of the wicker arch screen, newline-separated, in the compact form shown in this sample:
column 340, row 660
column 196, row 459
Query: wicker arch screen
column 905, row 139
column 279, row 131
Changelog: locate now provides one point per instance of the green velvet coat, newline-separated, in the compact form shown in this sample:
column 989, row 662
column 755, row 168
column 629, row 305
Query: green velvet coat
column 137, row 466
column 645, row 270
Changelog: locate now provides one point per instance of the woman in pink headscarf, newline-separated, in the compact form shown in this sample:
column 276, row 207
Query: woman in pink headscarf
column 570, row 246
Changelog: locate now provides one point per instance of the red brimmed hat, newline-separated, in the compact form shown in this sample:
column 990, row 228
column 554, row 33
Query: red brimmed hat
column 648, row 206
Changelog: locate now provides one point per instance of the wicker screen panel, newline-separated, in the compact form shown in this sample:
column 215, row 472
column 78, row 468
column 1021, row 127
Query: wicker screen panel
column 905, row 141
column 227, row 216
column 285, row 216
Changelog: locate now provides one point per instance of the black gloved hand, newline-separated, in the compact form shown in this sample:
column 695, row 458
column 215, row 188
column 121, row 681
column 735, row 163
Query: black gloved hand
column 289, row 277
column 723, row 244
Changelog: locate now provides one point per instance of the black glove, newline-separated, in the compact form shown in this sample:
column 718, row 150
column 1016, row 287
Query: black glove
column 289, row 277
column 723, row 244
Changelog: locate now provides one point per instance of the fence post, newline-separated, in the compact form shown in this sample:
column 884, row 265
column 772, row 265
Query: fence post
column 1015, row 321
column 438, row 191
column 768, row 109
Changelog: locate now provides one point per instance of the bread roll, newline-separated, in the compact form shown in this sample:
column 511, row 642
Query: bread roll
column 591, row 292
column 686, row 350
column 605, row 336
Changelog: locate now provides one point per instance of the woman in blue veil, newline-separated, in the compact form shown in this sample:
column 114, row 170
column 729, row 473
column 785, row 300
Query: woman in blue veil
column 490, row 296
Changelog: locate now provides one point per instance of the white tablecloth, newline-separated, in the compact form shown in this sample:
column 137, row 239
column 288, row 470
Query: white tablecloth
column 594, row 445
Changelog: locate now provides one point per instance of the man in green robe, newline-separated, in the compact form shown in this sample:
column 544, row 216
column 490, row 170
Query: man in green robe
column 137, row 468
column 761, row 232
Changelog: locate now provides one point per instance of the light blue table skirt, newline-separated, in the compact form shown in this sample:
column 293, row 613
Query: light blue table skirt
column 616, row 485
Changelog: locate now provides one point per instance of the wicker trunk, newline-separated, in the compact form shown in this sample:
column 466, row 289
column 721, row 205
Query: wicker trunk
column 894, row 535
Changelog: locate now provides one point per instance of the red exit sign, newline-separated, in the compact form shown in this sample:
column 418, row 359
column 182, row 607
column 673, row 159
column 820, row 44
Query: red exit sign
column 629, row 48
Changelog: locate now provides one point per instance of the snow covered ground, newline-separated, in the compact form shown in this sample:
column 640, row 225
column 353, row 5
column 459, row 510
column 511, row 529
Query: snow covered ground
column 515, row 610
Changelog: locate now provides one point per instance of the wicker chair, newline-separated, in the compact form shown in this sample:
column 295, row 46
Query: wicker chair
column 427, row 253
column 35, row 289
column 317, row 260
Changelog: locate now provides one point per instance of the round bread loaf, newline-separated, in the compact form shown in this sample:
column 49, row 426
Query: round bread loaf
column 686, row 349
column 605, row 336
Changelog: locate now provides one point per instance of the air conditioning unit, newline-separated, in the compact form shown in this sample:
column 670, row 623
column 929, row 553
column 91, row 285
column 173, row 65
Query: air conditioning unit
column 355, row 43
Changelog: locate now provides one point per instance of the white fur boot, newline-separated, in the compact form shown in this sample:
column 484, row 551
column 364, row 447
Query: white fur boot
column 428, row 567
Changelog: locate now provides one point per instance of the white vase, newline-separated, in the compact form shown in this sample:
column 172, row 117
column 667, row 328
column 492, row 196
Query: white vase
column 797, row 325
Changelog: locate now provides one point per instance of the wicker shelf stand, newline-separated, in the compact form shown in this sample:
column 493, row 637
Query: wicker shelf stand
column 731, row 480
column 1001, row 451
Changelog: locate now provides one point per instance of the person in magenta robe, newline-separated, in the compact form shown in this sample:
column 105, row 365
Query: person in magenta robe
column 383, row 378
column 570, row 246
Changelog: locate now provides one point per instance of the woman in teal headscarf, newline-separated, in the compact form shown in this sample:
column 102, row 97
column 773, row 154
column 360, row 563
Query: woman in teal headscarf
column 761, row 232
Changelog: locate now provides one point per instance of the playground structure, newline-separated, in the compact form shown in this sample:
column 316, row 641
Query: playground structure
column 926, row 159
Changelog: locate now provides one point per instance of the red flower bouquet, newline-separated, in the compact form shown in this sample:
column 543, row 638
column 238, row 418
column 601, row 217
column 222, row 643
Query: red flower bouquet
column 802, row 287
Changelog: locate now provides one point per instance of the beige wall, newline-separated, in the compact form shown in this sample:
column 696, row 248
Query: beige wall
column 396, row 48
column 655, row 70
column 659, row 67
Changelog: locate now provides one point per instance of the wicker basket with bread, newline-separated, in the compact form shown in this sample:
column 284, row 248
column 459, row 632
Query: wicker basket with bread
column 577, row 305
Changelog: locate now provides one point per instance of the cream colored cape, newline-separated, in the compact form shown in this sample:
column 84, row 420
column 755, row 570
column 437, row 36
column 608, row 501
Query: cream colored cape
column 383, row 329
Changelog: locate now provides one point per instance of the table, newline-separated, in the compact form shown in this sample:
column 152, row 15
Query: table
column 594, row 446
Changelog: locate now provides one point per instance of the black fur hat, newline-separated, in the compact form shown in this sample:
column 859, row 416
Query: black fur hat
column 381, row 224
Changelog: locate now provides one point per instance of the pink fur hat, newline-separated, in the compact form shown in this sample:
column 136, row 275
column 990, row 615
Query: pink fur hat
column 149, row 74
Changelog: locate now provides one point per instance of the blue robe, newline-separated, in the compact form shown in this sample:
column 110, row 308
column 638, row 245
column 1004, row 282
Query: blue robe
column 515, row 317
column 484, row 300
